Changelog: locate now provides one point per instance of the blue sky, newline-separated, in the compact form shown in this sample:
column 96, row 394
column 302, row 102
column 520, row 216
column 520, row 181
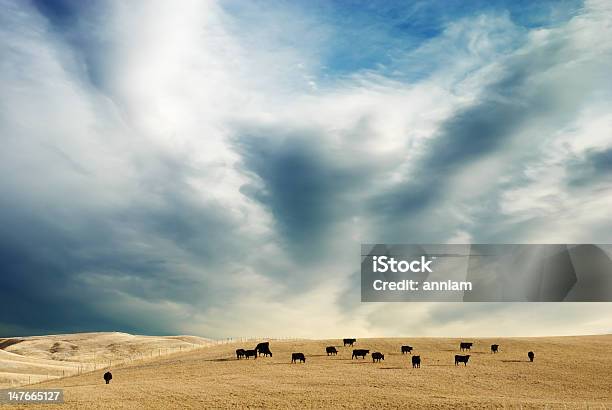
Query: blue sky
column 213, row 168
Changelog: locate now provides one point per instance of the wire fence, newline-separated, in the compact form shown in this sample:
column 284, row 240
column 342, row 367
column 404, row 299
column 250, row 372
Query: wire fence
column 99, row 362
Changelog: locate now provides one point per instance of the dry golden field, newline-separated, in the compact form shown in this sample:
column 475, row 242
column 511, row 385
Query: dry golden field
column 568, row 372
column 37, row 358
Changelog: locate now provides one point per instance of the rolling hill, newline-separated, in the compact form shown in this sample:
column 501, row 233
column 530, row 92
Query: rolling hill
column 568, row 372
column 36, row 358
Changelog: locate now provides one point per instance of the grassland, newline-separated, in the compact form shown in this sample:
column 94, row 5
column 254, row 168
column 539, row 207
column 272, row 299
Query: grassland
column 38, row 358
column 568, row 372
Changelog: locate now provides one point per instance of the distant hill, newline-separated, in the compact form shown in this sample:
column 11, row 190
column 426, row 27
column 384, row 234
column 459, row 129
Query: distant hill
column 36, row 358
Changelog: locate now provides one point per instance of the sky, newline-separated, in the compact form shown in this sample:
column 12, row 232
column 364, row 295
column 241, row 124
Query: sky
column 212, row 168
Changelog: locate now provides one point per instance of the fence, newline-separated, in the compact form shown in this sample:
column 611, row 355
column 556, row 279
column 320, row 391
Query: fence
column 77, row 368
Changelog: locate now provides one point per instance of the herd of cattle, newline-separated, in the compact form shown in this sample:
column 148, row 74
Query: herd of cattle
column 264, row 348
column 261, row 348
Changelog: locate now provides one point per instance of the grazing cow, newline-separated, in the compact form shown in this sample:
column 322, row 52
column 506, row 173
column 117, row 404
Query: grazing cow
column 263, row 348
column 250, row 353
column 531, row 356
column 239, row 353
column 108, row 377
column 359, row 353
column 298, row 356
column 416, row 361
column 331, row 350
column 465, row 346
column 494, row 348
column 377, row 357
column 349, row 342
column 461, row 359
column 406, row 349
column 266, row 353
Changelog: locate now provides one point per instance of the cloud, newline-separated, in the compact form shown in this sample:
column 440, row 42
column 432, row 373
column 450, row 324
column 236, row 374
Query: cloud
column 591, row 168
column 213, row 168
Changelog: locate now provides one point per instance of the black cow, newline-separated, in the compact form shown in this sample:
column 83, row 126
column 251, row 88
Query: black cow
column 298, row 356
column 406, row 349
column 108, row 377
column 494, row 348
column 461, row 359
column 465, row 346
column 349, row 342
column 263, row 348
column 250, row 353
column 377, row 357
column 359, row 353
column 331, row 350
column 531, row 356
column 416, row 361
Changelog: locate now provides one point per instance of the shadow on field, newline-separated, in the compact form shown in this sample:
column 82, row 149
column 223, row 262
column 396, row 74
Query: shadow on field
column 391, row 368
column 515, row 361
column 224, row 359
column 472, row 352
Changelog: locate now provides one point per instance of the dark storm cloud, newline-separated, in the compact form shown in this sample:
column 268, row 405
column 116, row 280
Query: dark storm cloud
column 469, row 135
column 64, row 271
column 302, row 184
column 592, row 168
column 296, row 184
column 36, row 285
column 81, row 24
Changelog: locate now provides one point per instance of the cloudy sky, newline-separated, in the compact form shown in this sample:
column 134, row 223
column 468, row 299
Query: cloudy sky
column 212, row 168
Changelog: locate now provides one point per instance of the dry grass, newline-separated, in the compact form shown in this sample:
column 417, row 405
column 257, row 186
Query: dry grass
column 569, row 372
column 38, row 358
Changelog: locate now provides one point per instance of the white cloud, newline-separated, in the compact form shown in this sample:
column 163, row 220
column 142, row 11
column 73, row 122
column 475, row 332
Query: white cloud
column 144, row 158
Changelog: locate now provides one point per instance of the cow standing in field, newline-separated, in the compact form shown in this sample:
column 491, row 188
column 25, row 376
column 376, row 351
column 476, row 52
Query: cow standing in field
column 349, row 342
column 531, row 356
column 377, row 357
column 406, row 349
column 240, row 353
column 263, row 348
column 465, row 346
column 108, row 376
column 250, row 353
column 359, row 353
column 461, row 359
column 494, row 348
column 298, row 356
column 331, row 350
column 416, row 361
